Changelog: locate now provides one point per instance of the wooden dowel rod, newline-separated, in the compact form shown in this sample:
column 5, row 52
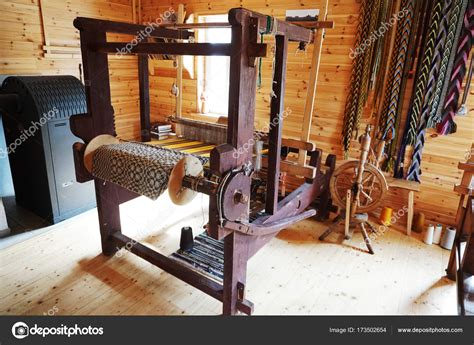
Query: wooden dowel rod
column 313, row 80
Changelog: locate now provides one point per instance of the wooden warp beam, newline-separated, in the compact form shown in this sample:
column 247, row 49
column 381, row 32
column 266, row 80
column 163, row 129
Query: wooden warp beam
column 137, row 167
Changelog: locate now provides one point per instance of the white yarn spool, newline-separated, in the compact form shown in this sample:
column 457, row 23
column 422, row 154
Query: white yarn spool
column 437, row 234
column 429, row 235
column 448, row 238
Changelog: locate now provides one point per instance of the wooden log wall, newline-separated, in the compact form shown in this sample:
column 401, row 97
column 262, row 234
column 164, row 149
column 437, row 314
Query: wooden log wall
column 38, row 38
column 442, row 154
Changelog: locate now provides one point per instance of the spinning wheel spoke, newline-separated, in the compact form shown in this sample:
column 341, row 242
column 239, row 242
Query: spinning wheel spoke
column 372, row 188
column 367, row 195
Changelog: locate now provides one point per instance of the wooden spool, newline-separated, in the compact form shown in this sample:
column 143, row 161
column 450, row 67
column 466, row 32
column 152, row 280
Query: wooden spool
column 94, row 144
column 188, row 166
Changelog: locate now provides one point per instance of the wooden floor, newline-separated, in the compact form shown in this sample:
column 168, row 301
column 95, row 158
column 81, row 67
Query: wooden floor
column 62, row 271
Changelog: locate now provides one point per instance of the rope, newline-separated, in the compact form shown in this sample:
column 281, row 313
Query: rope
column 447, row 124
column 439, row 14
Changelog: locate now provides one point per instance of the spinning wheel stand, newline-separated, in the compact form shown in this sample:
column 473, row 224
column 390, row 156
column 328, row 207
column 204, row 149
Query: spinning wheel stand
column 358, row 187
column 351, row 222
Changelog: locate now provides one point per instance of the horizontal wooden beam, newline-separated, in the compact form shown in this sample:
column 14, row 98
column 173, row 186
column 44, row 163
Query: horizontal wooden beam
column 298, row 144
column 225, row 25
column 195, row 49
column 292, row 32
column 171, row 266
column 294, row 168
column 221, row 25
column 178, row 270
column 315, row 24
column 151, row 30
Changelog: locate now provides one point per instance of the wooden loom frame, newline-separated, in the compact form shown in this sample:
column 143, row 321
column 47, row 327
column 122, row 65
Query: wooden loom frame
column 242, row 237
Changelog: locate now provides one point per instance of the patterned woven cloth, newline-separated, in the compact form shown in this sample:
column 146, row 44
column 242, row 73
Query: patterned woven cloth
column 140, row 168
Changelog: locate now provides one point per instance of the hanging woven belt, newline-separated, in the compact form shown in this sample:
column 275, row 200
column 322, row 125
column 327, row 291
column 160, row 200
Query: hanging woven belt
column 440, row 13
column 352, row 101
column 447, row 124
column 397, row 65
column 420, row 41
column 402, row 56
column 449, row 30
column 422, row 80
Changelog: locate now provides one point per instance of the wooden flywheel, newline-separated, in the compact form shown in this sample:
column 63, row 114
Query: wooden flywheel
column 362, row 177
column 371, row 190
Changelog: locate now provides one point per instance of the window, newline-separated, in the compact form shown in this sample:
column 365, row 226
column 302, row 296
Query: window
column 213, row 71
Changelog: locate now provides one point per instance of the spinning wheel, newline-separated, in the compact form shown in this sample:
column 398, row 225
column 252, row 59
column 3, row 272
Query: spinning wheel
column 371, row 190
column 364, row 184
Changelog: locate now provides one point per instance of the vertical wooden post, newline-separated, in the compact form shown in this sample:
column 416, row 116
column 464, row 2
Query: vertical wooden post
column 242, row 88
column 276, row 124
column 179, row 72
column 313, row 81
column 97, row 87
column 108, row 203
column 235, row 270
column 240, row 130
column 144, row 90
column 97, row 84
column 411, row 195
column 347, row 219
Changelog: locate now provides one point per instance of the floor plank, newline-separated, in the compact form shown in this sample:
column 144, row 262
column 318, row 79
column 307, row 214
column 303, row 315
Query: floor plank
column 62, row 271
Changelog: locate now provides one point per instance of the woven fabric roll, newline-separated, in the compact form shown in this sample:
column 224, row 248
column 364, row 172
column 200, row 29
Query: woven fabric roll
column 140, row 168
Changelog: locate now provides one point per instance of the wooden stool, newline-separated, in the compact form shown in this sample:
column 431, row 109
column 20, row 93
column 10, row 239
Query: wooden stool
column 412, row 187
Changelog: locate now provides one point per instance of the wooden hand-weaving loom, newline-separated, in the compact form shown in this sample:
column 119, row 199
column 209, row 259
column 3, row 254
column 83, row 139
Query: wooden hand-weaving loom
column 228, row 180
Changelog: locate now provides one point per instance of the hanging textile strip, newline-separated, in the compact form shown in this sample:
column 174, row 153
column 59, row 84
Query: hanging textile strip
column 392, row 94
column 440, row 14
column 421, row 82
column 453, row 31
column 417, row 51
column 380, row 46
column 417, row 32
column 374, row 24
column 447, row 124
column 356, row 78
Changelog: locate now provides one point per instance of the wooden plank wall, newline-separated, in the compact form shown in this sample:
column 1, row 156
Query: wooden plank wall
column 442, row 154
column 38, row 38
column 33, row 30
